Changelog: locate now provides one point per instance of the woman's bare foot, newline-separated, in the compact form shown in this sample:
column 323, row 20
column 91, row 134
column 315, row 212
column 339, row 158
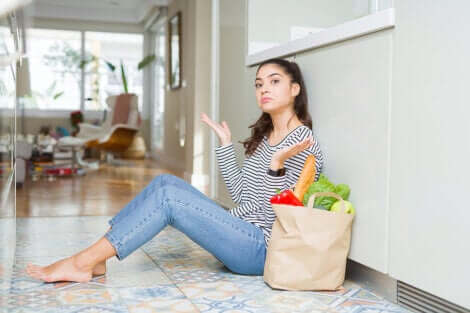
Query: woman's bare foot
column 69, row 269
column 99, row 269
column 79, row 268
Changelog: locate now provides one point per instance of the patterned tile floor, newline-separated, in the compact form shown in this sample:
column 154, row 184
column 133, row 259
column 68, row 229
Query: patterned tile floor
column 169, row 274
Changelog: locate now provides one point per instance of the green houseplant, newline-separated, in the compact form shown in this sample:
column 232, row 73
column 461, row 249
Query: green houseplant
column 112, row 67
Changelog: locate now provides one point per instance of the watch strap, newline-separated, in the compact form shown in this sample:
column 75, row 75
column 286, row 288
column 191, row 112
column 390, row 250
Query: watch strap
column 277, row 173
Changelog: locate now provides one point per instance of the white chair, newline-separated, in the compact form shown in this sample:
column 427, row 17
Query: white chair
column 114, row 135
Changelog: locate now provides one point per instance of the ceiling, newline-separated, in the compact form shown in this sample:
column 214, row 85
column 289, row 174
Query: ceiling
column 120, row 11
column 94, row 4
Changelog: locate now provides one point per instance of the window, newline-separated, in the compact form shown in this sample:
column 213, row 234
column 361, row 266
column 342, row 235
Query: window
column 70, row 70
column 7, row 70
column 54, row 60
column 6, row 41
column 111, row 48
column 7, row 88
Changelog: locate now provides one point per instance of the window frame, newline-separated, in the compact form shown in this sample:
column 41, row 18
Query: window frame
column 65, row 113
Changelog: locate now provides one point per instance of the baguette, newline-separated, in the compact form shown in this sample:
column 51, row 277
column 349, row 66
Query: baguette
column 306, row 178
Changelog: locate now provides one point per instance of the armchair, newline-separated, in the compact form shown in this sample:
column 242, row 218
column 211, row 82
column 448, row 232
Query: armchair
column 117, row 132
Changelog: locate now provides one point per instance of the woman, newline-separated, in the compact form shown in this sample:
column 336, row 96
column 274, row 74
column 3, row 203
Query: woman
column 281, row 139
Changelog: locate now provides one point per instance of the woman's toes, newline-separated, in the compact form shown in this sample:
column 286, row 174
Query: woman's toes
column 32, row 266
column 36, row 275
column 34, row 269
column 30, row 269
column 34, row 272
column 65, row 270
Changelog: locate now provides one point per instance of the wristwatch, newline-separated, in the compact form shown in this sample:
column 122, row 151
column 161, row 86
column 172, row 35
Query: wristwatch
column 277, row 173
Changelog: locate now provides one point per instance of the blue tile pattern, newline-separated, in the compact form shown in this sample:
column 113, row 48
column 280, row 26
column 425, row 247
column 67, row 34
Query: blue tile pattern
column 168, row 274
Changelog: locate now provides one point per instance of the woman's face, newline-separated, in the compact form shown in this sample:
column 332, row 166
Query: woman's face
column 274, row 90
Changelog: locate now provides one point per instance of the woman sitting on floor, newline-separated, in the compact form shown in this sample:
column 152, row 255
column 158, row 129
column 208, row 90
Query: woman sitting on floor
column 281, row 139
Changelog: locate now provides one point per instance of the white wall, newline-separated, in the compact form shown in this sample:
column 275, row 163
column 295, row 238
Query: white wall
column 429, row 216
column 235, row 107
column 178, row 102
column 390, row 110
column 183, row 106
column 350, row 121
column 348, row 86
column 200, row 152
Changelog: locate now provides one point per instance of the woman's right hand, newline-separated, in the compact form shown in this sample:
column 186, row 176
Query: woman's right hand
column 221, row 129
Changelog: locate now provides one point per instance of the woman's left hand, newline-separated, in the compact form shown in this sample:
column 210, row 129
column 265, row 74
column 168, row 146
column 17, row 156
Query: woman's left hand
column 279, row 157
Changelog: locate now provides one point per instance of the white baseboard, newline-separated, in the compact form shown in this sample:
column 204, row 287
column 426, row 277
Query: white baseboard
column 368, row 278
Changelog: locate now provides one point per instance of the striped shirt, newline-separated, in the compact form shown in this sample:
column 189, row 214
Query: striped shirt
column 251, row 187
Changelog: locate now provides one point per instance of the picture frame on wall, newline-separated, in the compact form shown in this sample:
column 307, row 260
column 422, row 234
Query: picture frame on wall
column 174, row 29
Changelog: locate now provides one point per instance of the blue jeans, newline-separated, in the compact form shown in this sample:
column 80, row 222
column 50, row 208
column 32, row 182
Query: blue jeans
column 169, row 200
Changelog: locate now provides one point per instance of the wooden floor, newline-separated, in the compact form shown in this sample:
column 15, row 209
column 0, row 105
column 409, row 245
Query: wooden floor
column 102, row 192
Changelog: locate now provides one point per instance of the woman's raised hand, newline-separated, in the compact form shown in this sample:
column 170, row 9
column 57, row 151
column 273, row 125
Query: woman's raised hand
column 279, row 157
column 221, row 129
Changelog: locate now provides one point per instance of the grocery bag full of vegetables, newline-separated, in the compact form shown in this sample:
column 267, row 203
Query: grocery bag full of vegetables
column 310, row 238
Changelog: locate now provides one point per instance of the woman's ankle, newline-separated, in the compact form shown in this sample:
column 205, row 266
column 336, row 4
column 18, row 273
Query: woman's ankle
column 99, row 269
column 84, row 261
column 95, row 254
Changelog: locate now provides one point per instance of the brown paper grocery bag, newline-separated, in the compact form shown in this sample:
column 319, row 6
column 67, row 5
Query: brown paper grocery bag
column 308, row 248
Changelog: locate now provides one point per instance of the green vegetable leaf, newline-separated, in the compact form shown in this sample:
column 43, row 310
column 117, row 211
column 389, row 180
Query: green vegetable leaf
column 343, row 191
column 324, row 185
column 321, row 185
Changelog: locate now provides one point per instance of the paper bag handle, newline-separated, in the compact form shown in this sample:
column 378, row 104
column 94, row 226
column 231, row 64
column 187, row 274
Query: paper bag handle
column 311, row 200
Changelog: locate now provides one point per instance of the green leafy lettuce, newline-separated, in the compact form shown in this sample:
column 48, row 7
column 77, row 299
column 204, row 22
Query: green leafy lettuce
column 323, row 184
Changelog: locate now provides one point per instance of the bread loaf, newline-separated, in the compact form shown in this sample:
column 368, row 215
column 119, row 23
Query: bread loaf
column 306, row 178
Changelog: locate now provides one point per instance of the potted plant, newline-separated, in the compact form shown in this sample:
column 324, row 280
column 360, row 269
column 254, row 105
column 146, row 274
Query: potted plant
column 112, row 67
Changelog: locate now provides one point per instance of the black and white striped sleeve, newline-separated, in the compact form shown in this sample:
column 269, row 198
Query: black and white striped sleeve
column 293, row 166
column 231, row 172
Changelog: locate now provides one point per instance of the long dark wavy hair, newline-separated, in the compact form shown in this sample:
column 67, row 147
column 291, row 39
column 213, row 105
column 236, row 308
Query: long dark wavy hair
column 264, row 125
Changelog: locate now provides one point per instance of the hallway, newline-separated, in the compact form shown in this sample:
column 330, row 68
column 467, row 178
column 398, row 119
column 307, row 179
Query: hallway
column 165, row 83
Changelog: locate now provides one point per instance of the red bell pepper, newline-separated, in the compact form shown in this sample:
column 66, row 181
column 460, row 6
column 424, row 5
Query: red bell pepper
column 286, row 197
